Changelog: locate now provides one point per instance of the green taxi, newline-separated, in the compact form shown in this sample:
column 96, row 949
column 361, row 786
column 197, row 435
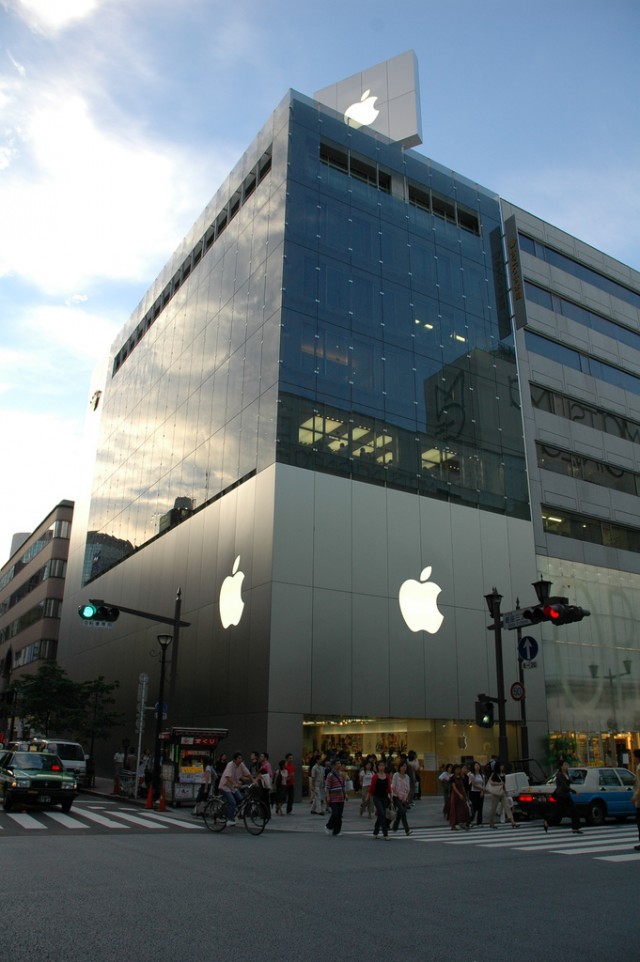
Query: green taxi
column 31, row 778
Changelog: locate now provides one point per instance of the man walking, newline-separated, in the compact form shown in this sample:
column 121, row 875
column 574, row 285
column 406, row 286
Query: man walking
column 291, row 774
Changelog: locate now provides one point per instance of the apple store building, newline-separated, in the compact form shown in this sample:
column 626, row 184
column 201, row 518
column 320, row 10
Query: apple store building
column 310, row 427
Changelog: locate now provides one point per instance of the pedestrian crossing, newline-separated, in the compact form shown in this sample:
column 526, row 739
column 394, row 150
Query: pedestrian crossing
column 97, row 817
column 608, row 843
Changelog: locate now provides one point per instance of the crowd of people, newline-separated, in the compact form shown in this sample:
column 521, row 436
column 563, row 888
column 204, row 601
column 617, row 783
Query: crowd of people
column 464, row 790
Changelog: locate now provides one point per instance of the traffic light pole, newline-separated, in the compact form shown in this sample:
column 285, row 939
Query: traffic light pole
column 493, row 603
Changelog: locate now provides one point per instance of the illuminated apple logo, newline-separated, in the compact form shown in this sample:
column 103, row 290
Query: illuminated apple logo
column 231, row 603
column 419, row 603
column 363, row 112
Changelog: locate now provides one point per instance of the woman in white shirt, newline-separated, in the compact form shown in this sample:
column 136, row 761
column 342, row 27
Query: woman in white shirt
column 400, row 788
column 476, row 792
column 366, row 774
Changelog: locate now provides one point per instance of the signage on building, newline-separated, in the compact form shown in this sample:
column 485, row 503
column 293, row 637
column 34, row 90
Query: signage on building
column 384, row 98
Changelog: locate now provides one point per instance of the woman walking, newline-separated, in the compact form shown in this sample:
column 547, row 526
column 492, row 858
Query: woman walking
column 401, row 791
column 476, row 793
column 459, row 806
column 496, row 786
column 380, row 791
column 317, row 776
column 366, row 774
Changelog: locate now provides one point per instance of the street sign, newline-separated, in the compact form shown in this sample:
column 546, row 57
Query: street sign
column 517, row 691
column 98, row 624
column 514, row 619
column 529, row 664
column 164, row 709
column 527, row 648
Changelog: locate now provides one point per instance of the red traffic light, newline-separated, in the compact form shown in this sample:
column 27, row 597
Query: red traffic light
column 554, row 613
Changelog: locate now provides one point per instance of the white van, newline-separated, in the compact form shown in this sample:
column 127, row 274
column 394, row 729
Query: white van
column 71, row 754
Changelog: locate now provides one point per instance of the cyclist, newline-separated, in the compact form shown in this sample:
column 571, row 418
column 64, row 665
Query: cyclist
column 234, row 775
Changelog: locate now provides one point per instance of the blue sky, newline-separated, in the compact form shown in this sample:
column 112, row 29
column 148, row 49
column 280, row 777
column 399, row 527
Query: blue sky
column 120, row 118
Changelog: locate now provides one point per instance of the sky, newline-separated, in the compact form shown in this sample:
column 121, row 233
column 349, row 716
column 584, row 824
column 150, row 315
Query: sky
column 119, row 119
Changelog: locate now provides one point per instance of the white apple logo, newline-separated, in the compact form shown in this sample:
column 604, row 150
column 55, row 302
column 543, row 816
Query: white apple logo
column 363, row 112
column 419, row 604
column 231, row 603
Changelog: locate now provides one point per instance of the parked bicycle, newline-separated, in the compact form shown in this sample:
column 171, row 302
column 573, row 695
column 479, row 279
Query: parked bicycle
column 250, row 809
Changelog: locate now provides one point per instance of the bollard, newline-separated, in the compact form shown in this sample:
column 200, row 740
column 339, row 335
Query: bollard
column 149, row 798
column 116, row 784
column 162, row 805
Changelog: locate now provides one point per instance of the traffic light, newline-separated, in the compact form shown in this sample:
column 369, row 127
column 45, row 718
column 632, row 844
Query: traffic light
column 95, row 613
column 557, row 610
column 484, row 714
column 562, row 614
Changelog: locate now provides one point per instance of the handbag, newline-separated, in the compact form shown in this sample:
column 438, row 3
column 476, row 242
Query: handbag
column 495, row 788
column 391, row 812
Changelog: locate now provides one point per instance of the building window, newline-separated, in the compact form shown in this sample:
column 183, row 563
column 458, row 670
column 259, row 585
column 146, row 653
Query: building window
column 553, row 402
column 355, row 166
column 581, row 271
column 582, row 362
column 566, row 524
column 577, row 466
column 596, row 322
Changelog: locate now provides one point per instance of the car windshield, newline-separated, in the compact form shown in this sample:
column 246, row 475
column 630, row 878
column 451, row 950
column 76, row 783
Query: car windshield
column 36, row 762
column 68, row 751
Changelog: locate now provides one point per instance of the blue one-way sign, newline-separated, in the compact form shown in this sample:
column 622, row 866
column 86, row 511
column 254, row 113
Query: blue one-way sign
column 527, row 648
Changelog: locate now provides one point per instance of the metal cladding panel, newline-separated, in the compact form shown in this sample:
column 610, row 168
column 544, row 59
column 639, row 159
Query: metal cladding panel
column 349, row 649
column 384, row 98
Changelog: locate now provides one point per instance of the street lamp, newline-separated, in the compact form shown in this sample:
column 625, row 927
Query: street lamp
column 164, row 641
column 610, row 676
column 493, row 604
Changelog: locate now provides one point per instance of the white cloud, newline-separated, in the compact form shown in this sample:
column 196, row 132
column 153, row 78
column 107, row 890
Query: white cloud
column 47, row 451
column 52, row 16
column 90, row 202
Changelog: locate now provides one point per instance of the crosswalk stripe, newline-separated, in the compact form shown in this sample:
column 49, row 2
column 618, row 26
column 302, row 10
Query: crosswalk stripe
column 101, row 820
column 26, row 821
column 137, row 820
column 63, row 819
column 198, row 826
column 629, row 857
column 591, row 849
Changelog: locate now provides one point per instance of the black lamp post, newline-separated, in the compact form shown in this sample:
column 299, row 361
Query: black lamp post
column 164, row 641
column 493, row 604
column 610, row 676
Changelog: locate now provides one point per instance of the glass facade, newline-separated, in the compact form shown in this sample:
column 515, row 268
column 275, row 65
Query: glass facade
column 344, row 311
column 396, row 362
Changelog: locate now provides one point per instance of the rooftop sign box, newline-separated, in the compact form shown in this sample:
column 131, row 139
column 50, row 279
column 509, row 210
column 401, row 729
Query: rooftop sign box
column 385, row 98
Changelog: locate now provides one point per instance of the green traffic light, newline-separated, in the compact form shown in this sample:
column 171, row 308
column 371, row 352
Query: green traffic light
column 87, row 611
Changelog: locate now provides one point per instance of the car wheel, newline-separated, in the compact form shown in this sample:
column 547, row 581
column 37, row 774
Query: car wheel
column 596, row 813
column 66, row 806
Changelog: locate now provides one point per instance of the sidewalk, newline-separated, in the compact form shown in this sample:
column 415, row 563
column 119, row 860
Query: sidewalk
column 426, row 813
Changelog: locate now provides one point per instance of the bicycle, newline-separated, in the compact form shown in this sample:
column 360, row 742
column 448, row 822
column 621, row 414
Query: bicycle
column 250, row 809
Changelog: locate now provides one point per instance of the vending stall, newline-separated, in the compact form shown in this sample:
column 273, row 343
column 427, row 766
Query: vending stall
column 185, row 755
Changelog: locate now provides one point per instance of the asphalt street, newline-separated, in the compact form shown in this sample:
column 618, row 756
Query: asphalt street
column 295, row 894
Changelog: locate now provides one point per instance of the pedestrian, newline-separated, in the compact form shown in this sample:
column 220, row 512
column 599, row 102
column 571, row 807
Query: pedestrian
column 280, row 782
column 380, row 791
column 444, row 778
column 336, row 797
column 476, row 793
column 458, row 805
column 414, row 762
column 401, row 791
column 264, row 781
column 636, row 793
column 497, row 788
column 366, row 774
column 317, row 786
column 564, row 803
column 291, row 776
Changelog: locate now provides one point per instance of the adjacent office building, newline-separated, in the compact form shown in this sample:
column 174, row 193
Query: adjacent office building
column 336, row 421
column 31, row 593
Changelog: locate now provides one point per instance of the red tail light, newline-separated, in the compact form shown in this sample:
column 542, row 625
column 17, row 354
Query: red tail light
column 525, row 798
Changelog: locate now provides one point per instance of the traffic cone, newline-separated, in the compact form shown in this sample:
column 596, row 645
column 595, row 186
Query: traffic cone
column 116, row 785
column 149, row 798
column 162, row 805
